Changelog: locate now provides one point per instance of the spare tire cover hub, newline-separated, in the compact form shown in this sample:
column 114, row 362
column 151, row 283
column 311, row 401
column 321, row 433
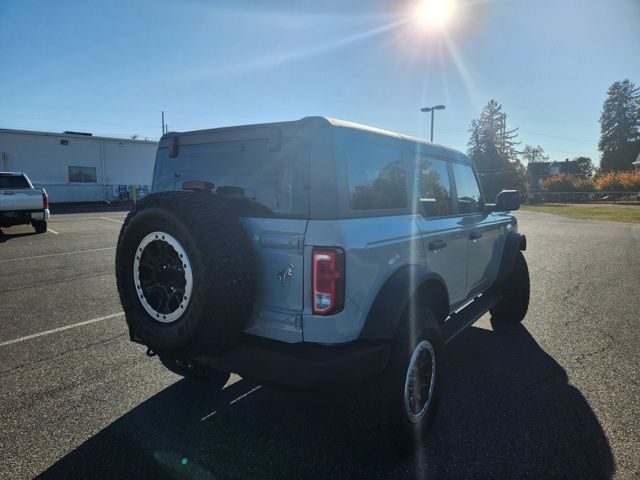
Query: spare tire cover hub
column 163, row 276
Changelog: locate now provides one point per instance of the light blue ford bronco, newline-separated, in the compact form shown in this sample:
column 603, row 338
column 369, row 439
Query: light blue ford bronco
column 319, row 254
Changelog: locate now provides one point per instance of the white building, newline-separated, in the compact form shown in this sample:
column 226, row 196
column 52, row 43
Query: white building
column 76, row 167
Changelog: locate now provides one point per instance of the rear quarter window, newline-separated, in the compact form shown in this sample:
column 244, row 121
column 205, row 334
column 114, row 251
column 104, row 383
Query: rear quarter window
column 376, row 176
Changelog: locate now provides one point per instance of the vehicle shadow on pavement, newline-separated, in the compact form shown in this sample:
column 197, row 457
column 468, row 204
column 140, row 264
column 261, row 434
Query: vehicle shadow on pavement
column 507, row 411
column 8, row 236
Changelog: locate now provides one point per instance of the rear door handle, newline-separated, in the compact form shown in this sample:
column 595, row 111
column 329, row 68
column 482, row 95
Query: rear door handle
column 475, row 235
column 437, row 245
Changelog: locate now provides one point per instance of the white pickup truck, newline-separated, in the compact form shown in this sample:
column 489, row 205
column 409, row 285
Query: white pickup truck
column 21, row 203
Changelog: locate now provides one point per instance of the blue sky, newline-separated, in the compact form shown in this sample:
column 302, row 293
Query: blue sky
column 111, row 67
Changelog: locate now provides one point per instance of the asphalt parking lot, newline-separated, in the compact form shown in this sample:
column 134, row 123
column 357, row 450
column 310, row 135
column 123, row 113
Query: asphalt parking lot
column 554, row 398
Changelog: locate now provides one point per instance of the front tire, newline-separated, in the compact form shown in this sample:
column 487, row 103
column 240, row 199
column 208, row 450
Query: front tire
column 393, row 412
column 515, row 295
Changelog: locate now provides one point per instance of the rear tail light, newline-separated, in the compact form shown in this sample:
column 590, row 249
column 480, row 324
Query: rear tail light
column 45, row 201
column 328, row 280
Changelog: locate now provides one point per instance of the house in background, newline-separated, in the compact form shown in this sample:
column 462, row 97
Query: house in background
column 538, row 172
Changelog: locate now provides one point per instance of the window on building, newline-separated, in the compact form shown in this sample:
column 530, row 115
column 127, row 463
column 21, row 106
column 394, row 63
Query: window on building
column 469, row 198
column 434, row 188
column 83, row 174
column 376, row 177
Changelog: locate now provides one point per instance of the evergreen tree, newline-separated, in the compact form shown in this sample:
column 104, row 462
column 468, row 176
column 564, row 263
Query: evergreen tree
column 492, row 147
column 620, row 126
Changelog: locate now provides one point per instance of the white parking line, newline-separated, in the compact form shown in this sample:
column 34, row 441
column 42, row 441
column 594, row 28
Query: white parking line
column 56, row 254
column 52, row 231
column 60, row 329
column 232, row 402
column 111, row 219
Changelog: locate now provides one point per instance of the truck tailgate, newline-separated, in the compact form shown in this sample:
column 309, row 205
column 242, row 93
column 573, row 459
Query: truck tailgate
column 14, row 200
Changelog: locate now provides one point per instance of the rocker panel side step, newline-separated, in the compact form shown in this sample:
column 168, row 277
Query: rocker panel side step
column 466, row 317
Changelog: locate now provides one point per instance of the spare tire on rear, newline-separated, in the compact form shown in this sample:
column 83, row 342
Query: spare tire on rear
column 185, row 272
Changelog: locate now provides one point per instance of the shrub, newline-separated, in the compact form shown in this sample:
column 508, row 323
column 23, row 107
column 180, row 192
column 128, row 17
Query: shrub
column 567, row 183
column 558, row 183
column 583, row 185
column 630, row 180
column 619, row 181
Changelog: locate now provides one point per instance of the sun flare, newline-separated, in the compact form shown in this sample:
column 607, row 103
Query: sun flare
column 434, row 14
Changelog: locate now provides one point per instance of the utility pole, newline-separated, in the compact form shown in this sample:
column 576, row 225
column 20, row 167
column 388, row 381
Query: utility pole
column 164, row 129
column 503, row 133
column 432, row 110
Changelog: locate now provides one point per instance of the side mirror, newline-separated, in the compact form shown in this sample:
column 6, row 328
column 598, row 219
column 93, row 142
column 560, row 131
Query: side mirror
column 507, row 200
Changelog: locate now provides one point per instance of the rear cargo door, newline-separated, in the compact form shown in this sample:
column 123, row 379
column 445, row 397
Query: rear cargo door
column 278, row 244
column 268, row 169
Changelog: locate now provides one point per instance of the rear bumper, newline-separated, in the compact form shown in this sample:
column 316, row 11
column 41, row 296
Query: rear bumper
column 303, row 365
column 20, row 217
column 40, row 214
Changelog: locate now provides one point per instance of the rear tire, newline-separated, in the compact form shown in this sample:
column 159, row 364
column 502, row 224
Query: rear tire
column 393, row 412
column 39, row 225
column 515, row 295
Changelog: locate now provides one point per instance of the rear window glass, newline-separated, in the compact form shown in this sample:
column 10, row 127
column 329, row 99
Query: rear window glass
column 272, row 179
column 376, row 177
column 13, row 182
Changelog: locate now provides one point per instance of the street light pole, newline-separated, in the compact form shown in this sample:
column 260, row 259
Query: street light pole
column 432, row 110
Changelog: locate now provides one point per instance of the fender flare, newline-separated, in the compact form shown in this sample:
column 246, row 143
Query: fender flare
column 514, row 242
column 394, row 296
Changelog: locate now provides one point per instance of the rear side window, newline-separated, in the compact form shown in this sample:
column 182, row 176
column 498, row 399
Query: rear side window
column 13, row 182
column 434, row 188
column 469, row 199
column 376, row 177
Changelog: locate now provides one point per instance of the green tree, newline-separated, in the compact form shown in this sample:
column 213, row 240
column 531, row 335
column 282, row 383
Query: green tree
column 585, row 164
column 620, row 126
column 534, row 154
column 493, row 148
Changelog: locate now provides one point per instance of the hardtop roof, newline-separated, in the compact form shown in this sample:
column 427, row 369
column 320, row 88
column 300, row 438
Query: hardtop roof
column 422, row 145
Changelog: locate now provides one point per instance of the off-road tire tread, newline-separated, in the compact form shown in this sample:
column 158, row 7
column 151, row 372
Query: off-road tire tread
column 373, row 413
column 515, row 295
column 227, row 261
